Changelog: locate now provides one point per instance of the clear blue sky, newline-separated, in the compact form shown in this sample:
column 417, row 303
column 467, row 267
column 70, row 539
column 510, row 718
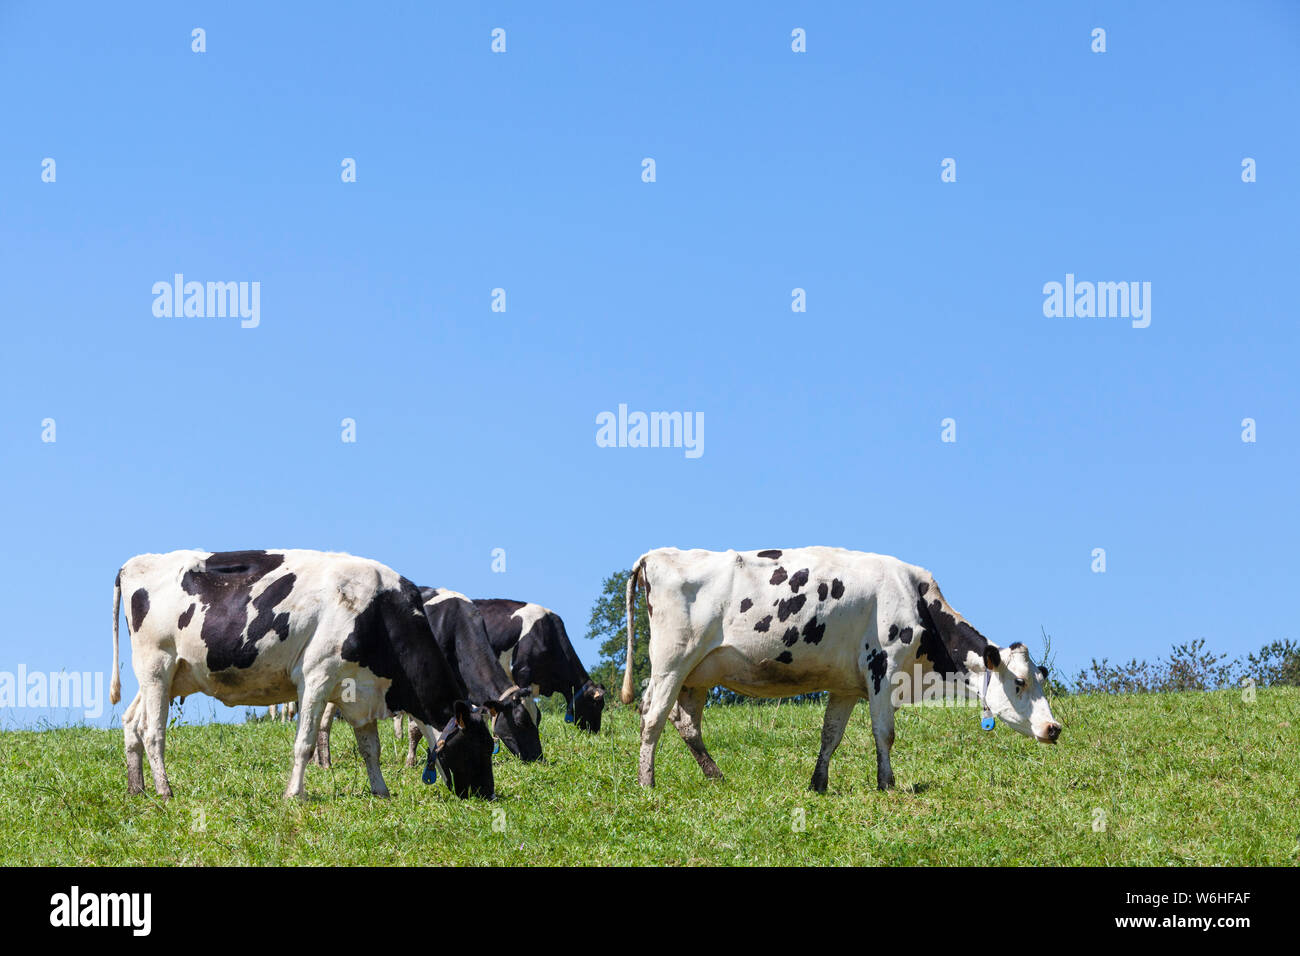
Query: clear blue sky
column 775, row 170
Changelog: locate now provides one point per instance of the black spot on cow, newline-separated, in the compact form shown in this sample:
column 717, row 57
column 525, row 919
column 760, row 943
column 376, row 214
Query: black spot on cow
column 785, row 608
column 790, row 637
column 822, row 590
column 187, row 615
column 267, row 620
column 1015, row 645
column 905, row 635
column 777, row 576
column 764, row 624
column 785, row 657
column 798, row 580
column 224, row 586
column 745, row 605
column 769, row 554
column 837, row 588
column 139, row 608
column 877, row 663
column 923, row 587
column 893, row 631
column 812, row 631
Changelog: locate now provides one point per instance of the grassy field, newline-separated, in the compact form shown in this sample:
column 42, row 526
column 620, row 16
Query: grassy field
column 1176, row 778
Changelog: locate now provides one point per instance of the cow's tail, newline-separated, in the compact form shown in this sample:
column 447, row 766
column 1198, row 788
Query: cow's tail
column 626, row 694
column 115, row 685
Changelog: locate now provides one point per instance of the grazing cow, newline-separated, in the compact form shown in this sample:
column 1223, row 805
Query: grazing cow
column 783, row 622
column 534, row 648
column 458, row 627
column 264, row 627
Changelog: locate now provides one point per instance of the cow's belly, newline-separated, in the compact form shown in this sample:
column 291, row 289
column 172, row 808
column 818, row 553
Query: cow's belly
column 756, row 674
column 268, row 680
column 234, row 686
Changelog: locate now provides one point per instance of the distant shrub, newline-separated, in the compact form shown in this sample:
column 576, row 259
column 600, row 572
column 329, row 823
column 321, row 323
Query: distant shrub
column 1276, row 663
column 1191, row 667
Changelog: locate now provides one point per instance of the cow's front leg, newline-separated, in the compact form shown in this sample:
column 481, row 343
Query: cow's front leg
column 839, row 708
column 368, row 744
column 882, row 728
column 412, row 742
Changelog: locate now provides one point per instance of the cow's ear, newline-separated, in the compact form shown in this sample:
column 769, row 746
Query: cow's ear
column 495, row 707
column 462, row 710
column 992, row 659
column 1042, row 672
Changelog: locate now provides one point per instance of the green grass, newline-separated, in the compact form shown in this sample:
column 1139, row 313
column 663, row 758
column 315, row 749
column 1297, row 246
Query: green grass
column 1196, row 778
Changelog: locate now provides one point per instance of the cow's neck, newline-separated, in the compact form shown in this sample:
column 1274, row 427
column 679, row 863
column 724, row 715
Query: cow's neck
column 948, row 643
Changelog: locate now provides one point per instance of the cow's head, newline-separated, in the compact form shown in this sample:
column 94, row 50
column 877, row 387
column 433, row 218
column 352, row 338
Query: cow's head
column 1015, row 692
column 512, row 721
column 465, row 753
column 588, row 705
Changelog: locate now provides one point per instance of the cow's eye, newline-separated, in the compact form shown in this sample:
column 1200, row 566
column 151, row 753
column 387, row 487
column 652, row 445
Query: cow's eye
column 1020, row 684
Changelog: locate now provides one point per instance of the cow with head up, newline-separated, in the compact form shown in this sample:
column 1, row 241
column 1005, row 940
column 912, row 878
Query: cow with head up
column 534, row 648
column 778, row 623
column 459, row 630
column 267, row 627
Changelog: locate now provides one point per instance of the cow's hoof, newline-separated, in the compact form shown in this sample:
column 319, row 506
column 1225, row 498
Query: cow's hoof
column 884, row 785
column 382, row 794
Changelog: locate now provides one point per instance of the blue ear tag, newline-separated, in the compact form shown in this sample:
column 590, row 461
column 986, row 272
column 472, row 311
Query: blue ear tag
column 496, row 746
column 568, row 716
column 430, row 774
column 988, row 723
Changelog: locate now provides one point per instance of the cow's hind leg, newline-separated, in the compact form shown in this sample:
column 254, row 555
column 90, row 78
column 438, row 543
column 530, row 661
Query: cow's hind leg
column 660, row 698
column 314, row 697
column 132, row 730
column 839, row 708
column 368, row 744
column 157, row 701
column 322, row 754
column 882, row 728
column 687, row 717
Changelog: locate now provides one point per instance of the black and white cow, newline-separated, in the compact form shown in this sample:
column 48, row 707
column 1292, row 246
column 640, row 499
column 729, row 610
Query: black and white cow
column 534, row 648
column 266, row 627
column 782, row 622
column 459, row 630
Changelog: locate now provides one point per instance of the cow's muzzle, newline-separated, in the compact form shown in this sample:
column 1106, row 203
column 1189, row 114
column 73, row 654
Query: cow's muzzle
column 1049, row 734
